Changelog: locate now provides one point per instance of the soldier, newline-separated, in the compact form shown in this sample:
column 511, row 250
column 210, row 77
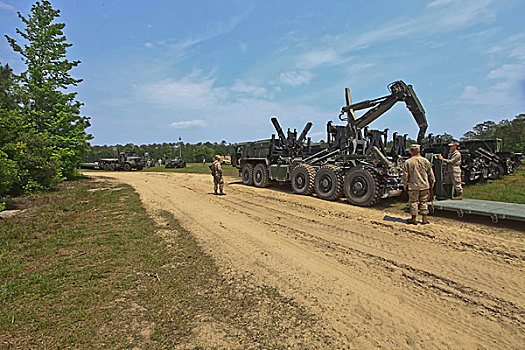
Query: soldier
column 216, row 170
column 453, row 171
column 418, row 179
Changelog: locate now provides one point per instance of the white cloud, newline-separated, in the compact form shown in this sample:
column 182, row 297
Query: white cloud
column 187, row 92
column 508, row 71
column 296, row 78
column 440, row 3
column 178, row 47
column 186, row 124
column 241, row 87
column 243, row 47
column 7, row 7
column 148, row 45
column 315, row 58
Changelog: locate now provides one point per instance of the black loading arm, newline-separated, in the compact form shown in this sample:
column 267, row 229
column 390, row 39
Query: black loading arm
column 291, row 144
column 399, row 91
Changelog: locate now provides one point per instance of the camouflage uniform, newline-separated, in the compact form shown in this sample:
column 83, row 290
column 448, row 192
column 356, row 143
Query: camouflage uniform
column 453, row 172
column 218, row 181
column 418, row 178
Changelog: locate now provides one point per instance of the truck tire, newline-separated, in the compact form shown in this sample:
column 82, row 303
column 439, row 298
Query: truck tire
column 362, row 187
column 247, row 174
column 328, row 182
column 112, row 167
column 260, row 175
column 105, row 166
column 302, row 179
column 127, row 167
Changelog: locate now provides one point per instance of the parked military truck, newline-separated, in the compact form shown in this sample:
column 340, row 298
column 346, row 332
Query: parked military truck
column 175, row 163
column 125, row 161
column 481, row 159
column 353, row 162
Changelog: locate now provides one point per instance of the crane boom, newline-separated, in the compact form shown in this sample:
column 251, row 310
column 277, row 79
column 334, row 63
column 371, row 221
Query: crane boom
column 399, row 91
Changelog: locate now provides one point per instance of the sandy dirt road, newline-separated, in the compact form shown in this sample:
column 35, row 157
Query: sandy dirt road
column 376, row 281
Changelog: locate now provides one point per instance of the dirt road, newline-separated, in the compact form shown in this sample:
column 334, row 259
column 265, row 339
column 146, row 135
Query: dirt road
column 369, row 276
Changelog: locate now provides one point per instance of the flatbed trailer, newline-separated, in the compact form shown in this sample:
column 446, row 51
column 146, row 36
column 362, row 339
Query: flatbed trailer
column 495, row 210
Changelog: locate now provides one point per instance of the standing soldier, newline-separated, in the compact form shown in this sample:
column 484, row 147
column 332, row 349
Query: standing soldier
column 216, row 170
column 453, row 171
column 418, row 180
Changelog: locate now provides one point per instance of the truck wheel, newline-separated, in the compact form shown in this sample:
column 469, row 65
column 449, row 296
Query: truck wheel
column 302, row 179
column 260, row 175
column 127, row 167
column 328, row 182
column 112, row 167
column 362, row 187
column 105, row 166
column 247, row 174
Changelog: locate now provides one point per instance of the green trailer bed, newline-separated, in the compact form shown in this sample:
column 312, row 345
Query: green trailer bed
column 496, row 210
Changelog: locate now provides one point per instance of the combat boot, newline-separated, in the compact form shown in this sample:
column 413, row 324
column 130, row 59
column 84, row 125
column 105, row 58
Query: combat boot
column 413, row 220
column 457, row 198
column 424, row 220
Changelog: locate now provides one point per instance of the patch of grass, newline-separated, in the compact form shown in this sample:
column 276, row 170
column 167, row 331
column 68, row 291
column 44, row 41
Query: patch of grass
column 509, row 189
column 86, row 267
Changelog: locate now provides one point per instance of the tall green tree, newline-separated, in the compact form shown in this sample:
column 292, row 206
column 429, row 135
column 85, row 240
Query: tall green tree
column 49, row 106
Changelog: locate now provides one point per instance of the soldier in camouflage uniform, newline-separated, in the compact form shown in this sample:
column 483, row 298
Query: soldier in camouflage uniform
column 218, row 181
column 453, row 171
column 418, row 179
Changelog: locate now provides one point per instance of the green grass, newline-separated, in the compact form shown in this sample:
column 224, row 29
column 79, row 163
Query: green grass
column 510, row 188
column 90, row 269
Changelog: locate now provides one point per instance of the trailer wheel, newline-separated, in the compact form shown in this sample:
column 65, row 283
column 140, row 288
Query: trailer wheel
column 260, row 175
column 127, row 167
column 328, row 182
column 362, row 187
column 112, row 166
column 247, row 174
column 302, row 179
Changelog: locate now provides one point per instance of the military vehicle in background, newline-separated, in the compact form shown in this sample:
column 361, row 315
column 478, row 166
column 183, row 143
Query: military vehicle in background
column 481, row 159
column 125, row 161
column 175, row 163
column 353, row 162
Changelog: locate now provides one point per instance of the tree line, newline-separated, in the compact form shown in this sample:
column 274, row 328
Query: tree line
column 511, row 131
column 191, row 153
column 42, row 132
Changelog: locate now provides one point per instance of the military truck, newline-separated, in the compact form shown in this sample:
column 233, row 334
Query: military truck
column 125, row 161
column 353, row 162
column 481, row 160
column 175, row 163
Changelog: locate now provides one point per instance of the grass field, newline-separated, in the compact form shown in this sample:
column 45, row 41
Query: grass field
column 86, row 267
column 510, row 188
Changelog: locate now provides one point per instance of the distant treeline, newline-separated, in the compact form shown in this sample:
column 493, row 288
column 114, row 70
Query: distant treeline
column 191, row 153
column 511, row 131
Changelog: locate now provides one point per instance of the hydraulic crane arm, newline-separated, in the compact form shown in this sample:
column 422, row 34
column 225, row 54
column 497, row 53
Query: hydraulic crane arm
column 399, row 92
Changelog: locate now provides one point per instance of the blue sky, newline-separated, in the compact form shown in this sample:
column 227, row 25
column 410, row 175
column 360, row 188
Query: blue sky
column 157, row 70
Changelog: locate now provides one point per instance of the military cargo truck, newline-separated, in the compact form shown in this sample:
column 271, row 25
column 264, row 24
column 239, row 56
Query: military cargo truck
column 125, row 161
column 353, row 162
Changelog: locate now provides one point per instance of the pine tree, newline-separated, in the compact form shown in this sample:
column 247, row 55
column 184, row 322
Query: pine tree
column 48, row 105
